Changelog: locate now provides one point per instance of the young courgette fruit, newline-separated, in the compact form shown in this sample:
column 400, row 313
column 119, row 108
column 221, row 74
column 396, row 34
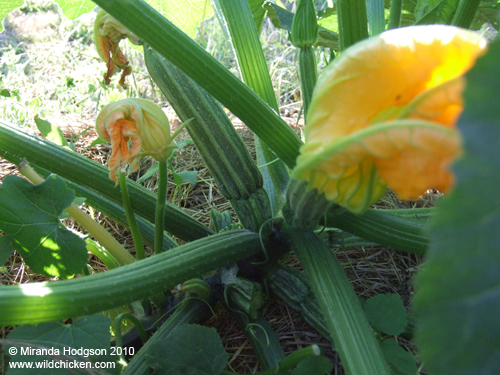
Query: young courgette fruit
column 220, row 146
column 41, row 302
column 303, row 207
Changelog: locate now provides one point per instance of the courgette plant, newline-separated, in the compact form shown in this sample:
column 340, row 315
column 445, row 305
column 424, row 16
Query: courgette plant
column 280, row 206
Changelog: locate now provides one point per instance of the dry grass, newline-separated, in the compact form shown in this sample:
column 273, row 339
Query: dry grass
column 371, row 270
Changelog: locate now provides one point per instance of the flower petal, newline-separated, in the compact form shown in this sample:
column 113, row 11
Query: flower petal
column 386, row 72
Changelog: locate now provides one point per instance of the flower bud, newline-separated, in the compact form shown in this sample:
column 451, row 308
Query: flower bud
column 305, row 25
column 108, row 33
column 139, row 121
column 384, row 113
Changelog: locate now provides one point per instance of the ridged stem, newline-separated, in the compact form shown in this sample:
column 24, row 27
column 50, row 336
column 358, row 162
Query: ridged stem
column 132, row 223
column 262, row 338
column 41, row 302
column 395, row 14
column 160, row 206
column 465, row 13
column 384, row 228
column 353, row 337
column 353, row 23
column 308, row 75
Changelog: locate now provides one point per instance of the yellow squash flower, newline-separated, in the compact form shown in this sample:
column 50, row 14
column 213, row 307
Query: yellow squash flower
column 108, row 33
column 384, row 114
column 139, row 122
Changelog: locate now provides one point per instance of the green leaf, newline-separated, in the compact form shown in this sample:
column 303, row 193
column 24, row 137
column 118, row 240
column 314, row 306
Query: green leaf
column 6, row 249
column 258, row 13
column 189, row 176
column 29, row 216
column 488, row 12
column 75, row 8
column 51, row 132
column 7, row 6
column 98, row 141
column 149, row 173
column 400, row 361
column 386, row 313
column 88, row 333
column 189, row 349
column 313, row 366
column 5, row 93
column 435, row 11
column 185, row 14
column 458, row 290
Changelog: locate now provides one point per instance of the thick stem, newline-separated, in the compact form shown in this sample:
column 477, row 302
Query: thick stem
column 97, row 231
column 160, row 206
column 132, row 223
column 308, row 75
column 395, row 14
column 354, row 340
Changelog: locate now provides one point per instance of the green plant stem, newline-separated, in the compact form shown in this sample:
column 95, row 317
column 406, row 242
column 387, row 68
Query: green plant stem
column 395, row 14
column 384, row 227
column 118, row 331
column 465, row 13
column 132, row 223
column 41, row 302
column 137, row 324
column 262, row 338
column 376, row 19
column 97, row 231
column 308, row 75
column 353, row 337
column 160, row 205
column 353, row 22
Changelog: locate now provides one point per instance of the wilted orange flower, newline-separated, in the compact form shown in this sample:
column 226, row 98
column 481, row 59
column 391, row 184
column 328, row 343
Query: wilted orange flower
column 139, row 121
column 108, row 33
column 384, row 114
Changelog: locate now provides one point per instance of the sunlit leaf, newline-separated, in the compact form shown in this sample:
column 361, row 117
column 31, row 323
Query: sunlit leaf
column 7, row 6
column 458, row 290
column 51, row 132
column 29, row 216
column 185, row 14
column 75, row 8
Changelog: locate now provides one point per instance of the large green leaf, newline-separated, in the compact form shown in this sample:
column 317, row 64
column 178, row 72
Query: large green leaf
column 29, row 216
column 458, row 291
column 185, row 14
column 435, row 11
column 83, row 341
column 386, row 313
column 75, row 8
column 6, row 249
column 7, row 6
column 189, row 349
